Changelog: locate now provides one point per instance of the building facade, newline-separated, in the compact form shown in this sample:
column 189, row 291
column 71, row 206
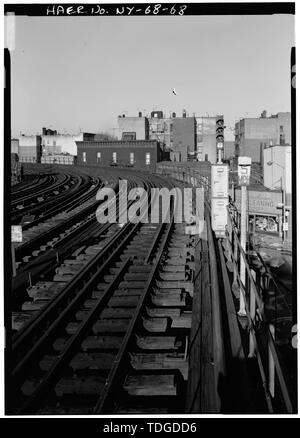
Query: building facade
column 229, row 149
column 14, row 146
column 16, row 169
column 30, row 148
column 253, row 135
column 206, row 139
column 184, row 137
column 277, row 168
column 161, row 129
column 139, row 154
column 133, row 128
column 54, row 143
column 58, row 159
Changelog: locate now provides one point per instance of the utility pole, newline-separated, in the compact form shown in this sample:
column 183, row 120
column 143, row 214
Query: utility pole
column 283, row 209
column 244, row 168
column 244, row 197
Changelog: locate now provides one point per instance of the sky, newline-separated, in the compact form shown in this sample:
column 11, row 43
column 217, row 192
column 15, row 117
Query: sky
column 80, row 73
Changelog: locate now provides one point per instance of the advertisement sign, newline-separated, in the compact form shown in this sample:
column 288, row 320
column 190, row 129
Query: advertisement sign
column 260, row 201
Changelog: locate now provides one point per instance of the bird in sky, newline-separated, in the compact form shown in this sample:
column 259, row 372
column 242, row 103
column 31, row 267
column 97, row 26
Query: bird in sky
column 174, row 91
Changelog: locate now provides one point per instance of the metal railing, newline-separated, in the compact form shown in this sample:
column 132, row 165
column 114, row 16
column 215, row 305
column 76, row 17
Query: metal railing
column 184, row 173
column 261, row 331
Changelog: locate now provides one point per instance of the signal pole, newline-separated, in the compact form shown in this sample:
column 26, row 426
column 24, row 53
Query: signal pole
column 244, row 168
column 242, row 311
column 219, row 138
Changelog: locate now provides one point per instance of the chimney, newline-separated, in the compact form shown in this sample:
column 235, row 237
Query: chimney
column 44, row 131
column 140, row 114
column 263, row 114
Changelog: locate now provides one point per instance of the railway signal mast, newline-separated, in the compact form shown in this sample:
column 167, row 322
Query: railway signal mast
column 219, row 185
column 220, row 138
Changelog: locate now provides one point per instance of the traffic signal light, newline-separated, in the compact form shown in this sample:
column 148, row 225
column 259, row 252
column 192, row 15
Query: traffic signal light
column 220, row 132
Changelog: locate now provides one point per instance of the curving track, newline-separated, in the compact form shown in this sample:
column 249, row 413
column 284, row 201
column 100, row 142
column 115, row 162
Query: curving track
column 41, row 204
column 113, row 317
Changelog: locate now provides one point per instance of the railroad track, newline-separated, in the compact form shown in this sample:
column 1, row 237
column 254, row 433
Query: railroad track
column 119, row 326
column 56, row 200
column 41, row 233
column 74, row 235
column 52, row 183
column 25, row 188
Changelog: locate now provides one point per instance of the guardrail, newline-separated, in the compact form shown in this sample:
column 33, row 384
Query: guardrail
column 261, row 331
column 197, row 177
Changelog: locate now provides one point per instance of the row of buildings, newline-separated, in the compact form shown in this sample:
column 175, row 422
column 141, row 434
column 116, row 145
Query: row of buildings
column 267, row 140
column 253, row 135
column 141, row 142
column 184, row 137
column 48, row 147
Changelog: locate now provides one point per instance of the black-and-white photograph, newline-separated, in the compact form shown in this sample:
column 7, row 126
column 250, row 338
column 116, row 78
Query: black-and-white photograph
column 150, row 210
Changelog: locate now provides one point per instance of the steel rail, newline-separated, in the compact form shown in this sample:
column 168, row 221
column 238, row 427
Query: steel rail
column 71, row 298
column 34, row 326
column 36, row 242
column 29, row 186
column 46, row 262
column 51, row 331
column 115, row 374
column 58, row 183
column 52, row 376
column 104, row 402
column 57, row 200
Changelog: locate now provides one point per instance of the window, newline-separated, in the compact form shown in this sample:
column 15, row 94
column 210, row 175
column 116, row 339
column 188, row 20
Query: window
column 147, row 158
column 131, row 158
column 84, row 157
column 267, row 224
column 98, row 157
column 54, row 143
column 171, row 127
column 282, row 139
column 281, row 128
column 114, row 157
column 129, row 136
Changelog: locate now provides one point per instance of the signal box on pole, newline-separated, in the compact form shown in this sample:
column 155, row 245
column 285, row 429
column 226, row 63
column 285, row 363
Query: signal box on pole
column 219, row 198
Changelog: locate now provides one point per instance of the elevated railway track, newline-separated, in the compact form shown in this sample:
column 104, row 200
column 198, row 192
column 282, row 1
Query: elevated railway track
column 137, row 318
column 108, row 297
